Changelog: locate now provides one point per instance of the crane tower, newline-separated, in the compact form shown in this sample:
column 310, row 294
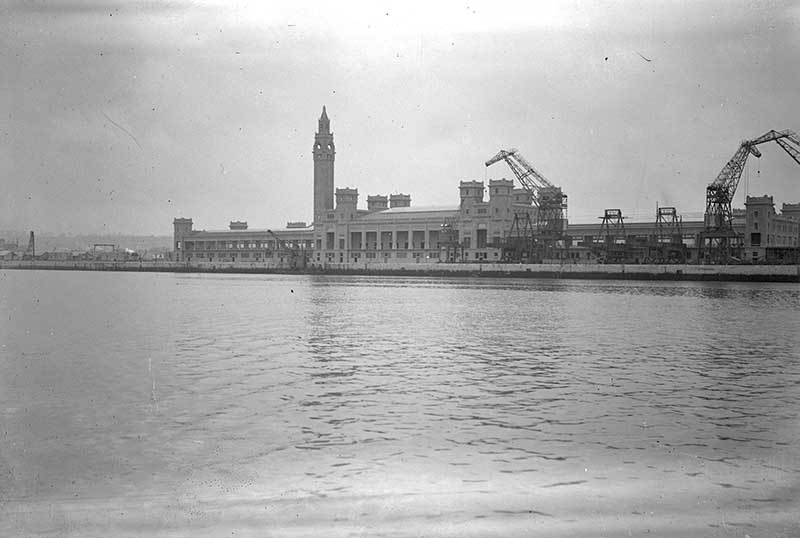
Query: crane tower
column 718, row 241
column 550, row 201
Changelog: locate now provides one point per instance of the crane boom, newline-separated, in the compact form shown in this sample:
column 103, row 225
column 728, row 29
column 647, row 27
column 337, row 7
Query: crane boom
column 550, row 201
column 729, row 176
column 528, row 176
column 793, row 152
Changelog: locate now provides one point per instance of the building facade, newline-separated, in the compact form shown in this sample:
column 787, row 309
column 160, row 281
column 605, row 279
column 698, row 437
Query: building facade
column 771, row 237
column 392, row 230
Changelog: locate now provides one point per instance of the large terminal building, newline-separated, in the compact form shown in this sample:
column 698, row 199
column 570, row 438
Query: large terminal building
column 392, row 231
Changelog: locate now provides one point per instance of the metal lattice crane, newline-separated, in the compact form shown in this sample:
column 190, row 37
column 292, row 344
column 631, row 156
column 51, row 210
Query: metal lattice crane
column 716, row 241
column 719, row 194
column 550, row 201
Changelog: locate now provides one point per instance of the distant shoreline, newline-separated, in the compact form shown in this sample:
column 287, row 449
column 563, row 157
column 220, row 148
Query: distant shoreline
column 724, row 273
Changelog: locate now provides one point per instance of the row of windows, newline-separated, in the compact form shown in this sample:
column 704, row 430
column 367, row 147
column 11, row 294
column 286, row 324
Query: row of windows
column 478, row 255
column 233, row 256
column 211, row 245
column 773, row 240
column 484, row 211
column 389, row 246
column 782, row 227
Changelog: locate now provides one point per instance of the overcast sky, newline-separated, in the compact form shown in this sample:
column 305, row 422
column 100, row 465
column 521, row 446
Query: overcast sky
column 120, row 116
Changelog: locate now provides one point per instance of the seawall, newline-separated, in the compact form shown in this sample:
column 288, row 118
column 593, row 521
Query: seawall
column 745, row 273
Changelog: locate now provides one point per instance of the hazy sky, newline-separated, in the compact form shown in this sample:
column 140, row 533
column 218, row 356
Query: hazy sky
column 120, row 116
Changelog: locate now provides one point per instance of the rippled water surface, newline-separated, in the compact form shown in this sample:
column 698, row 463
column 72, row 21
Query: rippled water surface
column 183, row 405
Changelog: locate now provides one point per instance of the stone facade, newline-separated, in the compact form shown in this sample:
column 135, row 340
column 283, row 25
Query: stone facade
column 769, row 236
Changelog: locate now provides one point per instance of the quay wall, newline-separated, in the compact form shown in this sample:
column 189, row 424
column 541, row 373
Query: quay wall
column 766, row 273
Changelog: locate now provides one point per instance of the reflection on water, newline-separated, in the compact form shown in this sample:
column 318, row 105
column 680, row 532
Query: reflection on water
column 487, row 401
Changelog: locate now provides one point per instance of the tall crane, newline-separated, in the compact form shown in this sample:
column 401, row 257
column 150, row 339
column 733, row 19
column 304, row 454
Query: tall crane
column 718, row 236
column 550, row 201
column 719, row 194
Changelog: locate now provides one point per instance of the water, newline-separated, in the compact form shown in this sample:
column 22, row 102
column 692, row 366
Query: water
column 207, row 405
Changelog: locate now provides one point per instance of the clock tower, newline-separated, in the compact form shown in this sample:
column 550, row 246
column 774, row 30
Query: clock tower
column 324, row 153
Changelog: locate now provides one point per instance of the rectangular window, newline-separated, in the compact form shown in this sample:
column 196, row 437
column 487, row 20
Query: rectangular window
column 341, row 244
column 481, row 239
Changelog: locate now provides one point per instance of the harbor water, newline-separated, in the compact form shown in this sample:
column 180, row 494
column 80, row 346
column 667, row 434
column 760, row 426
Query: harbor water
column 159, row 404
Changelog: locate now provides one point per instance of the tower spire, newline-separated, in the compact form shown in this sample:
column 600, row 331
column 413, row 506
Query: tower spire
column 324, row 122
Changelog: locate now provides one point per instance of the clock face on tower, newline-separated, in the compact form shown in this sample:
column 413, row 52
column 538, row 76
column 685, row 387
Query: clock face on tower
column 323, row 148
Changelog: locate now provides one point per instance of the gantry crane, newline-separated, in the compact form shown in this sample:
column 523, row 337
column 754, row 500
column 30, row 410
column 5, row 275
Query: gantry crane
column 666, row 243
column 550, row 201
column 717, row 241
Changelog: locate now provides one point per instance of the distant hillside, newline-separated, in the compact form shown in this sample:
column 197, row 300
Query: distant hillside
column 46, row 242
